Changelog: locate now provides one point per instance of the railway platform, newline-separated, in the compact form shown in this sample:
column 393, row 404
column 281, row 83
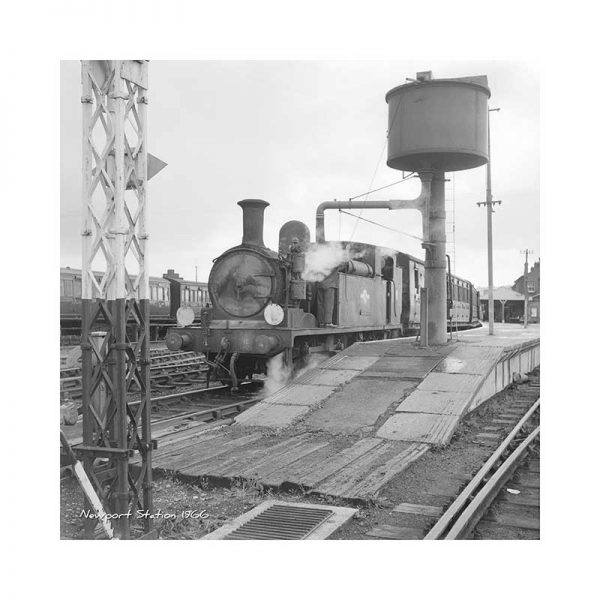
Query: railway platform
column 347, row 427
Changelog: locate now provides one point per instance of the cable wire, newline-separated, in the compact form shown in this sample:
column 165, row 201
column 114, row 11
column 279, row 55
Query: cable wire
column 416, row 237
column 370, row 184
column 411, row 176
column 377, row 167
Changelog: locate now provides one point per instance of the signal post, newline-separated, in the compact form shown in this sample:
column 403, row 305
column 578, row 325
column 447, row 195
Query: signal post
column 115, row 292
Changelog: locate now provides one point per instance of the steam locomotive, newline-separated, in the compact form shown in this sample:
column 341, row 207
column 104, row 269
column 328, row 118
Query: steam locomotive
column 307, row 298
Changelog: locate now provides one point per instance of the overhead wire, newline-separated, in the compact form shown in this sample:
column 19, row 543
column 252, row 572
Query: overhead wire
column 384, row 186
column 416, row 237
column 371, row 184
column 376, row 169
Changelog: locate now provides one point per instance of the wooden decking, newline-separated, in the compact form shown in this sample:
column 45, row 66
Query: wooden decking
column 353, row 469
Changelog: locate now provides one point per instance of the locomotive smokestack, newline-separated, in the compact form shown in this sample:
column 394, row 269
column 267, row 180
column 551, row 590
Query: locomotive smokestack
column 254, row 216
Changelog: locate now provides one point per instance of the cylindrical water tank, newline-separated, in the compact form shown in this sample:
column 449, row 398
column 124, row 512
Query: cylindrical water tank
column 438, row 124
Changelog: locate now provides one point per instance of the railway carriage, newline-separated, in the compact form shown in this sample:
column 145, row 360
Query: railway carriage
column 166, row 295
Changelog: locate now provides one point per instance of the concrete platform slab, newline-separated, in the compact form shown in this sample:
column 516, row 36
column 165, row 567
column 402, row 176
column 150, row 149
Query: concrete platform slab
column 387, row 375
column 344, row 361
column 358, row 405
column 368, row 349
column 435, row 402
column 419, row 427
column 272, row 415
column 409, row 366
column 302, row 395
column 505, row 335
column 469, row 367
column 411, row 350
column 468, row 351
column 331, row 377
column 450, row 382
column 470, row 359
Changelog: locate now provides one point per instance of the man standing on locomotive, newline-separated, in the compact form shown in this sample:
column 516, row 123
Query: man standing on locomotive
column 326, row 292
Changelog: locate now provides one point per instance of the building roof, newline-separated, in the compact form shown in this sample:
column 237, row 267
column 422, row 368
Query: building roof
column 503, row 292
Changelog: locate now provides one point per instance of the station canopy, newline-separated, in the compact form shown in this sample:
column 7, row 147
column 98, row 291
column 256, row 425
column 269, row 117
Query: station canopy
column 504, row 292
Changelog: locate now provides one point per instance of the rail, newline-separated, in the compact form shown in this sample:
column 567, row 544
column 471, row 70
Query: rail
column 464, row 513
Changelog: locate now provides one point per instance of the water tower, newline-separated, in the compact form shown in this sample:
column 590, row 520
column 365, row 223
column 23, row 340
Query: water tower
column 435, row 126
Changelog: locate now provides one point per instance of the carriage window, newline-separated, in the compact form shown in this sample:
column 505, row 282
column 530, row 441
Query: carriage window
column 62, row 287
column 78, row 288
column 416, row 280
column 153, row 292
column 68, row 291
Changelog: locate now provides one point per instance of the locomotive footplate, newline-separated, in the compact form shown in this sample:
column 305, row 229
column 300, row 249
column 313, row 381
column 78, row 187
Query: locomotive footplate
column 265, row 342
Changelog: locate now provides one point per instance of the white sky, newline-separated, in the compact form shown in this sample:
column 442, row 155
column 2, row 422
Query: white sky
column 296, row 133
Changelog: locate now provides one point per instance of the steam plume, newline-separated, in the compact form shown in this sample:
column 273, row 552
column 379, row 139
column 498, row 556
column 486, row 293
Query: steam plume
column 323, row 259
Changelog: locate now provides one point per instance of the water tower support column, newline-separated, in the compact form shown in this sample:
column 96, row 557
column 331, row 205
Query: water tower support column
column 434, row 234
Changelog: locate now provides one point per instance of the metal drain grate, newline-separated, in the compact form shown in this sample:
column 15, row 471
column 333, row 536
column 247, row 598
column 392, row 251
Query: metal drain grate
column 281, row 522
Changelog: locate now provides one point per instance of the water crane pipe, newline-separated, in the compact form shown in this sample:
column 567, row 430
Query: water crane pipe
column 421, row 203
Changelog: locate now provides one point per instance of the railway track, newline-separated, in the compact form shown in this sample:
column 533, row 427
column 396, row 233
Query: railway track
column 168, row 371
column 491, row 505
column 187, row 410
column 484, row 485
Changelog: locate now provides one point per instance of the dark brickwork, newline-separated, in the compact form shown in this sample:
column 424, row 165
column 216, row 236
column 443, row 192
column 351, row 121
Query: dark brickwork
column 533, row 285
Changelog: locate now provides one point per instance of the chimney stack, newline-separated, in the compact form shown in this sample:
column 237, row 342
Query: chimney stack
column 254, row 216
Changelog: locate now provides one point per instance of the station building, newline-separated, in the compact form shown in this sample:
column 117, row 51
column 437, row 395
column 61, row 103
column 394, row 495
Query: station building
column 533, row 289
column 509, row 301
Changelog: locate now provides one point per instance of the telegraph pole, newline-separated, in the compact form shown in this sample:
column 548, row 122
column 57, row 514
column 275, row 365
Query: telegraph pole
column 489, row 203
column 525, row 290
